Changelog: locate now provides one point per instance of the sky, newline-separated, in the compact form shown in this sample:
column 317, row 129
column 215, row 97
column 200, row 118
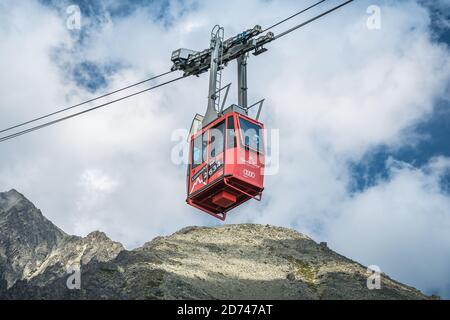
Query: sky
column 363, row 116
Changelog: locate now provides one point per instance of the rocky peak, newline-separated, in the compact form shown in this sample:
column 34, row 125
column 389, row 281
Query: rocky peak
column 30, row 244
column 97, row 236
column 26, row 236
column 9, row 199
column 18, row 213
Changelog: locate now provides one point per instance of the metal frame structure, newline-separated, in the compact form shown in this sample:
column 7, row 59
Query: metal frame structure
column 215, row 58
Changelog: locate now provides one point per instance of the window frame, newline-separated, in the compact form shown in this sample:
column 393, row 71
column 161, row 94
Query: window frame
column 204, row 145
column 243, row 144
column 210, row 136
column 231, row 120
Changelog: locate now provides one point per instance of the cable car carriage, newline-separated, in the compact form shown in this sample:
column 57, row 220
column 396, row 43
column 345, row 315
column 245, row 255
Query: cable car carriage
column 226, row 151
column 226, row 166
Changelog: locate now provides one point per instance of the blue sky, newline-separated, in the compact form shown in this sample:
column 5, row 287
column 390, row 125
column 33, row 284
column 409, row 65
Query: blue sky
column 364, row 120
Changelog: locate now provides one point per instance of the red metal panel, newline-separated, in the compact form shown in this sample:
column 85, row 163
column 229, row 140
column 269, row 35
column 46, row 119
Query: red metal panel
column 224, row 199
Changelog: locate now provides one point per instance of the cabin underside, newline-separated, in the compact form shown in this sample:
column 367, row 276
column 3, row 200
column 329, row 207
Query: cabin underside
column 222, row 195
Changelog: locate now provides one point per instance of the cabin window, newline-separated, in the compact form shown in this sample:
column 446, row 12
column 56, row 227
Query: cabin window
column 198, row 150
column 231, row 134
column 251, row 134
column 204, row 145
column 217, row 139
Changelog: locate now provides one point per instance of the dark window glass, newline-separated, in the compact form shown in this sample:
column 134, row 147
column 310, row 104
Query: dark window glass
column 217, row 139
column 251, row 134
column 199, row 150
column 204, row 145
column 231, row 133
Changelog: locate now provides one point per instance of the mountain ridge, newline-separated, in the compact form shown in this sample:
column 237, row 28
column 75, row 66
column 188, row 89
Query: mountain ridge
column 244, row 261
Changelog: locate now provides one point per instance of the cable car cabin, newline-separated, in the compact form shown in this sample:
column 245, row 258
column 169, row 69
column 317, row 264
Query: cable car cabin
column 226, row 165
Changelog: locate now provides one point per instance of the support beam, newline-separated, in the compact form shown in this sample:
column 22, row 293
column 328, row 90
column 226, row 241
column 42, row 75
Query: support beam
column 211, row 113
column 242, row 80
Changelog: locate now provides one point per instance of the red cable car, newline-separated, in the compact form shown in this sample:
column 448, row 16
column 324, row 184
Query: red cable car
column 226, row 166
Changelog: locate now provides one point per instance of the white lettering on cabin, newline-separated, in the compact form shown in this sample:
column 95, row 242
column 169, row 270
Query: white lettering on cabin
column 249, row 174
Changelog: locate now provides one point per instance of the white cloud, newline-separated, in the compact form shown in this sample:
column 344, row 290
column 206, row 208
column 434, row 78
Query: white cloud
column 335, row 90
column 400, row 225
column 96, row 184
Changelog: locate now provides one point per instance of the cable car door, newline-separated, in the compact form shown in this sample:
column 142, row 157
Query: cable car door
column 198, row 175
column 215, row 154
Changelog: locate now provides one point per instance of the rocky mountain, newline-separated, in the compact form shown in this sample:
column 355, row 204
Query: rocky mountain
column 245, row 261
